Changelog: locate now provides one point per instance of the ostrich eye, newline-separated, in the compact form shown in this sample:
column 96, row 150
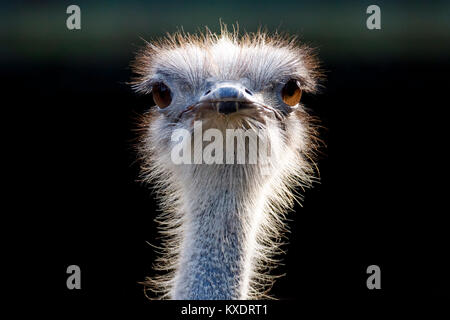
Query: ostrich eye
column 291, row 92
column 161, row 95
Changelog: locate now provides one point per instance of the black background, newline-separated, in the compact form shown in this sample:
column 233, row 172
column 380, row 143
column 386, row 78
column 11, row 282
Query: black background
column 377, row 203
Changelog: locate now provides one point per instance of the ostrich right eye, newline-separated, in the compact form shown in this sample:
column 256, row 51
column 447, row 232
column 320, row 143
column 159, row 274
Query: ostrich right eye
column 291, row 93
column 161, row 95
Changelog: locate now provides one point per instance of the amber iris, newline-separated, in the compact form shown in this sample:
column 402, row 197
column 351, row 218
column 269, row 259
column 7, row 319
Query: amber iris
column 291, row 92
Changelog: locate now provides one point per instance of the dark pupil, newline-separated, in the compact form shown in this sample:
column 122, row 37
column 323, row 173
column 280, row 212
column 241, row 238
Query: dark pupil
column 290, row 88
column 163, row 90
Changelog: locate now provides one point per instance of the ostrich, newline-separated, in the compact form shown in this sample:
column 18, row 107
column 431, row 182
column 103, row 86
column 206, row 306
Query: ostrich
column 223, row 223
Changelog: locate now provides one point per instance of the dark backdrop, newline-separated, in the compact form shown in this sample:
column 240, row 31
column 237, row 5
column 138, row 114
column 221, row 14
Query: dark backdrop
column 377, row 203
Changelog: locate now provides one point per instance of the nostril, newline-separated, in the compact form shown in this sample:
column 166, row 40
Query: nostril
column 248, row 92
column 207, row 92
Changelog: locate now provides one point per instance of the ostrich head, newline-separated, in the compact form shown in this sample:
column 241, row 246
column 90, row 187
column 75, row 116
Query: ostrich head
column 223, row 219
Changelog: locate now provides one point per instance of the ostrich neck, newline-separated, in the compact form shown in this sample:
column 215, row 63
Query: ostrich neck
column 219, row 236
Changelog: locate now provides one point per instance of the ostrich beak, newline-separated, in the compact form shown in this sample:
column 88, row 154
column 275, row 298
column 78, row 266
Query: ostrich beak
column 227, row 97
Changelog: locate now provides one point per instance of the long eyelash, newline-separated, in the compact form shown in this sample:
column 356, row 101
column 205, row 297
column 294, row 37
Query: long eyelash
column 144, row 87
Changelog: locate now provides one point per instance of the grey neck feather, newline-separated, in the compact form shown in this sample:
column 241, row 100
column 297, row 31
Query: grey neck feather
column 219, row 234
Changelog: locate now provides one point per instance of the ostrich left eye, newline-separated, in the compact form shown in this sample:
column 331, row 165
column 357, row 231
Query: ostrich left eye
column 161, row 95
column 291, row 93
